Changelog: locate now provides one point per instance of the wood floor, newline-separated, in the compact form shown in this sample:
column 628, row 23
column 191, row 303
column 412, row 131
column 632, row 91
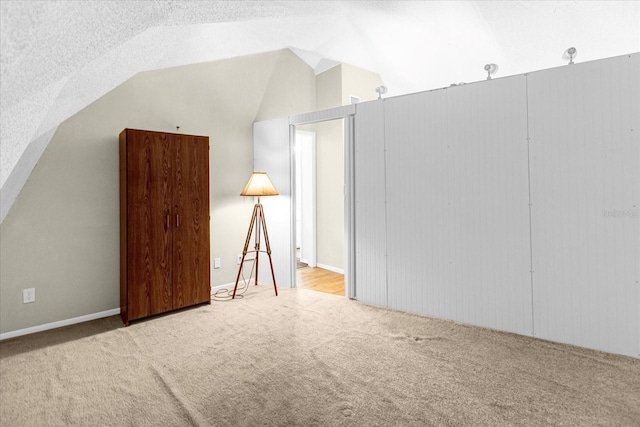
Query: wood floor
column 320, row 280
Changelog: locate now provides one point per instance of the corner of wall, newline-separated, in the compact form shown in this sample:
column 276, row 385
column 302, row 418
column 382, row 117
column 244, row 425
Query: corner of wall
column 291, row 88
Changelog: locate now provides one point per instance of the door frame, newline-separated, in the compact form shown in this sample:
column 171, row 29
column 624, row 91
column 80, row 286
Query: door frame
column 347, row 114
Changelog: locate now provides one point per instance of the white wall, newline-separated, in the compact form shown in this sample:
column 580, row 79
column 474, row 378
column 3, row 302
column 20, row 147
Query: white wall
column 330, row 194
column 584, row 128
column 457, row 204
column 498, row 200
column 272, row 154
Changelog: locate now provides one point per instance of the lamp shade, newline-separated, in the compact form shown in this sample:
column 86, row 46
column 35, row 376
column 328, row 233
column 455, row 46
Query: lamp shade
column 259, row 184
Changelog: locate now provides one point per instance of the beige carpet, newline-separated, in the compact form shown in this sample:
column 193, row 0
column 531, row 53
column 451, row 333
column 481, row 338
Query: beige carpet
column 305, row 358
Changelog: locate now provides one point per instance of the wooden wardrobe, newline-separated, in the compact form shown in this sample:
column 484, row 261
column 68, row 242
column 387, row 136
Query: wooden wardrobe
column 164, row 222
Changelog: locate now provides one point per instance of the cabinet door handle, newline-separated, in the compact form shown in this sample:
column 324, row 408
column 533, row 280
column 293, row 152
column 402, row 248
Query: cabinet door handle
column 167, row 221
column 177, row 220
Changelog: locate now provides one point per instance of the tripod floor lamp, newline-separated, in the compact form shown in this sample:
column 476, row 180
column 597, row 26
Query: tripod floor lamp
column 258, row 185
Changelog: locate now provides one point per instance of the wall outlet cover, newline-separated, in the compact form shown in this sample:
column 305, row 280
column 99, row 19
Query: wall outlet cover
column 28, row 295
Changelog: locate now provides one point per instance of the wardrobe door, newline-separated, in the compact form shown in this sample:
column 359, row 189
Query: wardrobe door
column 191, row 281
column 149, row 248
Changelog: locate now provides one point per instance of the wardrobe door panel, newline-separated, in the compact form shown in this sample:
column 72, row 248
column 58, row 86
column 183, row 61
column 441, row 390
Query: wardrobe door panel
column 191, row 281
column 149, row 249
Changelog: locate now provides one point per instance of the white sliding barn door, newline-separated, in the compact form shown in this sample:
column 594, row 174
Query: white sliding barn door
column 585, row 185
column 272, row 154
column 511, row 204
column 457, row 204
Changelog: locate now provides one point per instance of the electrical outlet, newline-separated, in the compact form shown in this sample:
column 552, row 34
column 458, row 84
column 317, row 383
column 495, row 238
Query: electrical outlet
column 28, row 295
column 216, row 263
column 239, row 259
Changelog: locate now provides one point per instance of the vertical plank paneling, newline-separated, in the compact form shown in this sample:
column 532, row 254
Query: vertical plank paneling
column 457, row 204
column 511, row 204
column 585, row 168
column 272, row 155
column 370, row 206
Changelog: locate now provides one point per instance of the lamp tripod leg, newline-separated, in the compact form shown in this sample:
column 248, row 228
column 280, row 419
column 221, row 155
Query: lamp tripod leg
column 256, row 218
column 244, row 251
column 257, row 245
column 268, row 246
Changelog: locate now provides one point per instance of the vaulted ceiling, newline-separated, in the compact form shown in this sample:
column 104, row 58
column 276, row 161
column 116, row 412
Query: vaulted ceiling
column 59, row 56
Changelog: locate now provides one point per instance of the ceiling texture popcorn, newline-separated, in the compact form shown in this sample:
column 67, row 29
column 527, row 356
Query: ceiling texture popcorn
column 57, row 57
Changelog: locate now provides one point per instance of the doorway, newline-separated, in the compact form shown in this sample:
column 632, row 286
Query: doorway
column 319, row 205
column 273, row 149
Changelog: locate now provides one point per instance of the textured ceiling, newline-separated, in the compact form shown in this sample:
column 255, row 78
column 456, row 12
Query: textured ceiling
column 59, row 56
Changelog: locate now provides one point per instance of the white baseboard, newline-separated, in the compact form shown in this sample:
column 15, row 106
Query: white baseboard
column 59, row 324
column 330, row 268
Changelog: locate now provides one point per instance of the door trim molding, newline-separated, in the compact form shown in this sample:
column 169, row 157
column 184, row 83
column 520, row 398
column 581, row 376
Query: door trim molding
column 347, row 113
